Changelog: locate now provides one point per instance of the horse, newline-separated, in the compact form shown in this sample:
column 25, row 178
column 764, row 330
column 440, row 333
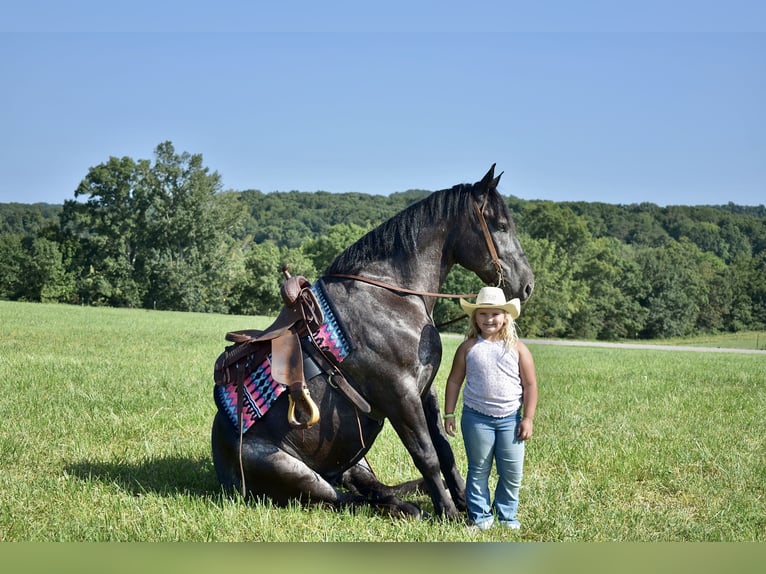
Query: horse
column 382, row 289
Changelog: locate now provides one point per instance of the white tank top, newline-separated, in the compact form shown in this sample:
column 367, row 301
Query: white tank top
column 492, row 380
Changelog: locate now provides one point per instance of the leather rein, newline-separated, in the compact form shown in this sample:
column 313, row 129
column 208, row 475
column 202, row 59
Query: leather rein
column 490, row 246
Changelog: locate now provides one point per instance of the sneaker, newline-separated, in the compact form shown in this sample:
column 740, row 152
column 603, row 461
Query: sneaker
column 484, row 525
column 512, row 525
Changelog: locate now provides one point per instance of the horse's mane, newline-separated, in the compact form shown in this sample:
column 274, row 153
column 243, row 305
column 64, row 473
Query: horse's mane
column 398, row 235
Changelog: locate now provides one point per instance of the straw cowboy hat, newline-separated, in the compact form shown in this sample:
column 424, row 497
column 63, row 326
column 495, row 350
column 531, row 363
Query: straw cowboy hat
column 492, row 298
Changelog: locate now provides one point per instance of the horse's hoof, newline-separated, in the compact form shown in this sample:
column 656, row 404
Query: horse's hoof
column 410, row 510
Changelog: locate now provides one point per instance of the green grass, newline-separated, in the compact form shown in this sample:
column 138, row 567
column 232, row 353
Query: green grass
column 755, row 340
column 106, row 420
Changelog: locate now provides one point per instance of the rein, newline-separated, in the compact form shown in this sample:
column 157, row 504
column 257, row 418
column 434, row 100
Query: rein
column 395, row 288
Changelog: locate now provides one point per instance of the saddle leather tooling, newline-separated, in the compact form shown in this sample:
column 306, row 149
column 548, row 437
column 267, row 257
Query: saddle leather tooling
column 291, row 336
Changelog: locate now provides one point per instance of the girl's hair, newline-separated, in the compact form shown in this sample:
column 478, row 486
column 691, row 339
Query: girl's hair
column 507, row 333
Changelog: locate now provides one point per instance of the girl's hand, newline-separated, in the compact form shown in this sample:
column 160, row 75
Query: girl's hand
column 450, row 426
column 525, row 429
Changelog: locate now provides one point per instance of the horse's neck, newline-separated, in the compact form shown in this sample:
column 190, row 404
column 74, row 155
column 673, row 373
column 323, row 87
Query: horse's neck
column 423, row 271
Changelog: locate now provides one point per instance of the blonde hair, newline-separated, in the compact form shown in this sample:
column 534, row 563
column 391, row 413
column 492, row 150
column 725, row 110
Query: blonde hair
column 508, row 333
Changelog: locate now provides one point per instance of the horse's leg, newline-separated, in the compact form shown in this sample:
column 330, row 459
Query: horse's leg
column 362, row 474
column 270, row 471
column 452, row 476
column 361, row 479
column 411, row 426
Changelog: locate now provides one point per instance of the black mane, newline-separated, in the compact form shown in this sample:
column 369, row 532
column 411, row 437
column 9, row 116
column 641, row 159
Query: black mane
column 398, row 235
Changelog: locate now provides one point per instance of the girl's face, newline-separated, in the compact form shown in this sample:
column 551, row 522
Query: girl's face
column 489, row 322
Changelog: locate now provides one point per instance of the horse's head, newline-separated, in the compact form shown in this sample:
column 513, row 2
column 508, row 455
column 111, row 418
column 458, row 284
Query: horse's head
column 488, row 245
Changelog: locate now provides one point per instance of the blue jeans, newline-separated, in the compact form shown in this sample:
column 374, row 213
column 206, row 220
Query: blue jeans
column 489, row 439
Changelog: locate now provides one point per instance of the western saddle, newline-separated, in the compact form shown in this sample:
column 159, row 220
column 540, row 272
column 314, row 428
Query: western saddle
column 300, row 319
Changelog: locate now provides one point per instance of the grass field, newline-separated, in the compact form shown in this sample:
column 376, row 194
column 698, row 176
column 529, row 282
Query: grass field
column 105, row 437
column 747, row 340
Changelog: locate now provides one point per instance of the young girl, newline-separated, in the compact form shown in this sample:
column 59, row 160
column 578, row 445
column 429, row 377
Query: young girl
column 499, row 404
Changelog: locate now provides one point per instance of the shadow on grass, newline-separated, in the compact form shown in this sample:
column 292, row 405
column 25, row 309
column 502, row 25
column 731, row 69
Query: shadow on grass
column 165, row 476
column 194, row 477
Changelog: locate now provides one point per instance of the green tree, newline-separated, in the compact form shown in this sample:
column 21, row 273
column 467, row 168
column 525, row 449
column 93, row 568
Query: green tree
column 12, row 257
column 758, row 290
column 45, row 278
column 675, row 291
column 557, row 295
column 323, row 250
column 737, row 281
column 558, row 224
column 257, row 290
column 156, row 235
column 27, row 219
column 103, row 232
column 612, row 309
column 187, row 227
column 645, row 229
column 737, row 243
column 747, row 277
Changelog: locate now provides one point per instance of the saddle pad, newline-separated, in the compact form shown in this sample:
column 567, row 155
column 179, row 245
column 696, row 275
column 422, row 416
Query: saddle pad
column 260, row 390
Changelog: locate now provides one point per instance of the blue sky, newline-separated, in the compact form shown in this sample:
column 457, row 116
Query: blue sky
column 620, row 102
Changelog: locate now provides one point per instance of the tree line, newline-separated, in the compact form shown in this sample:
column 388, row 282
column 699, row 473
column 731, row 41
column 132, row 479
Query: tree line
column 163, row 234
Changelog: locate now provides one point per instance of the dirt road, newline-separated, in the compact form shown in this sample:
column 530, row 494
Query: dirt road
column 640, row 346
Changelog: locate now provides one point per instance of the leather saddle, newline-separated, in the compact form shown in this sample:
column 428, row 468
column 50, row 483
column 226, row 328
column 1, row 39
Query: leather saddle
column 288, row 341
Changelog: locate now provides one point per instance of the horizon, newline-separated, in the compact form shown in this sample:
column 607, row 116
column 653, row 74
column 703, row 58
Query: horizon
column 723, row 206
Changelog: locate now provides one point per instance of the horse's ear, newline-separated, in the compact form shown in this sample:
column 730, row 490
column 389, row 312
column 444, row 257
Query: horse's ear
column 496, row 181
column 488, row 182
column 488, row 177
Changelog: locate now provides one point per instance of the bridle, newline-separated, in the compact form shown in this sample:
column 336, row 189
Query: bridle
column 490, row 247
column 488, row 238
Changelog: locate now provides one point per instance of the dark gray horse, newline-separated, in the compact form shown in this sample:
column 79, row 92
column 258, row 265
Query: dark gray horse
column 396, row 352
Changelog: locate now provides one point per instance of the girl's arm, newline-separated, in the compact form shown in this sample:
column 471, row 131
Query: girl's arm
column 454, row 382
column 529, row 387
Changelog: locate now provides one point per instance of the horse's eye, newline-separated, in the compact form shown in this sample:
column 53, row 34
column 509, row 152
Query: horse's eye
column 502, row 227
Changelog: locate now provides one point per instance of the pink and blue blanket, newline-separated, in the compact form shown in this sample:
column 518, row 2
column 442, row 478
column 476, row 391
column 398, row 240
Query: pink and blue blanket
column 260, row 390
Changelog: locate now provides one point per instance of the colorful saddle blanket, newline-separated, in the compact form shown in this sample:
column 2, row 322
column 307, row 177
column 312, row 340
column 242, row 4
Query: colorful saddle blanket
column 260, row 390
